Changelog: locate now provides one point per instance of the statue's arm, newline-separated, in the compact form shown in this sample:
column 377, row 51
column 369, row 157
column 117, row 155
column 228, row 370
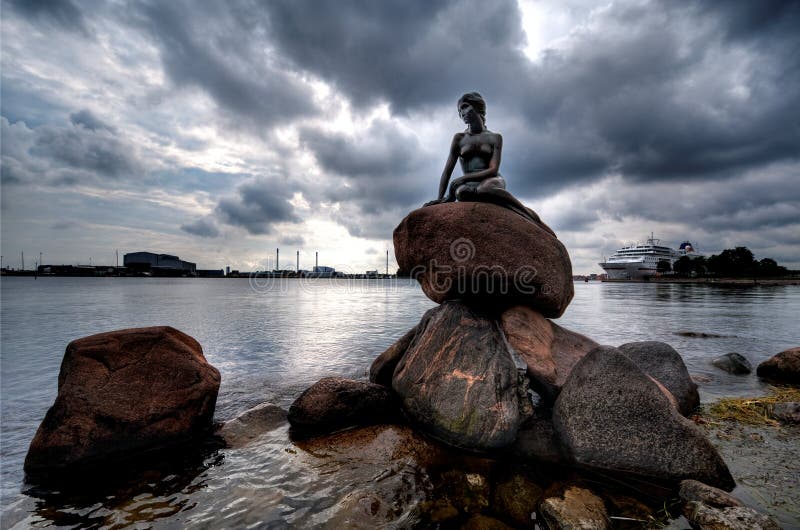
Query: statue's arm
column 449, row 166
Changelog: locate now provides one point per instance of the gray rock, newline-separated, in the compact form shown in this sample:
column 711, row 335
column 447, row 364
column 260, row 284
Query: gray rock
column 577, row 509
column 251, row 424
column 731, row 518
column 611, row 416
column 459, row 382
column 661, row 362
column 783, row 367
column 787, row 412
column 335, row 403
column 733, row 363
column 692, row 490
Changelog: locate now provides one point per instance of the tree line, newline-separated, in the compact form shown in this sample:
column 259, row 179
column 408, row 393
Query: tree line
column 736, row 262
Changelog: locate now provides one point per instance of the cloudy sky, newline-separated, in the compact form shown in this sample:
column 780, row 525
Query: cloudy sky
column 219, row 131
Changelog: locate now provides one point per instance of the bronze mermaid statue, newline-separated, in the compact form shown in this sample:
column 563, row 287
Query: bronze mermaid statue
column 479, row 150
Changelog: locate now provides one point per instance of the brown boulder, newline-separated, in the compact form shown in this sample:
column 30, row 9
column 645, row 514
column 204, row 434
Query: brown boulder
column 124, row 392
column 459, row 381
column 334, row 403
column 473, row 250
column 784, row 367
column 549, row 350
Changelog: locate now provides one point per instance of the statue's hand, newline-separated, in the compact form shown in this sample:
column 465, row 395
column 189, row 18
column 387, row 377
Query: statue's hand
column 434, row 201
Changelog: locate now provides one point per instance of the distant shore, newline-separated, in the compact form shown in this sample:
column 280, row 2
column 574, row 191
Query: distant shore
column 720, row 282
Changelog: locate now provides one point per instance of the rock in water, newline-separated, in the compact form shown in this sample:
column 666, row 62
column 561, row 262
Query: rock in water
column 460, row 382
column 549, row 350
column 123, row 392
column 577, row 509
column 611, row 416
column 334, row 403
column 784, row 367
column 731, row 518
column 733, row 363
column 661, row 362
column 472, row 250
column 251, row 424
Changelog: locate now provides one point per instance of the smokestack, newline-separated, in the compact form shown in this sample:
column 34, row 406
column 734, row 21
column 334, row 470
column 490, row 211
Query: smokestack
column 298, row 262
column 277, row 259
column 387, row 263
column 316, row 259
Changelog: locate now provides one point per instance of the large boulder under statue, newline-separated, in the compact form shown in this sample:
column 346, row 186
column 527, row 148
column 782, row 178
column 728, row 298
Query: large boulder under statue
column 124, row 392
column 459, row 382
column 484, row 252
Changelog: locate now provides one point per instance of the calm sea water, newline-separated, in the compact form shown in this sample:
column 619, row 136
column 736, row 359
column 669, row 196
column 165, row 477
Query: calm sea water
column 272, row 340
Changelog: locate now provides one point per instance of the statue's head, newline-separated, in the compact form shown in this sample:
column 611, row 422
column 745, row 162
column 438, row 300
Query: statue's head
column 474, row 100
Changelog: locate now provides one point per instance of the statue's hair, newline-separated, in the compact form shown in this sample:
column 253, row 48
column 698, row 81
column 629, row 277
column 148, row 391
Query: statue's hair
column 477, row 102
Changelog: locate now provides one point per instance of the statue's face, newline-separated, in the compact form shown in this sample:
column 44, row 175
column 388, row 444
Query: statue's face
column 467, row 112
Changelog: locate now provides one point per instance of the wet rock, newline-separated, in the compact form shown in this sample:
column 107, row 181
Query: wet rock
column 483, row 522
column 787, row 412
column 122, row 393
column 376, row 475
column 784, row 367
column 334, row 403
column 463, row 250
column 700, row 335
column 577, row 509
column 251, row 424
column 459, row 382
column 382, row 368
column 624, row 506
column 661, row 362
column 611, row 416
column 537, row 440
column 469, row 492
column 733, row 363
column 549, row 350
column 692, row 490
column 516, row 499
column 439, row 510
column 732, row 518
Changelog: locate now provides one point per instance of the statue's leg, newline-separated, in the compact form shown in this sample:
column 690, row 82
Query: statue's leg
column 493, row 190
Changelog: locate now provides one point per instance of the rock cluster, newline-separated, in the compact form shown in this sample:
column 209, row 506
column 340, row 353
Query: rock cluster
column 123, row 393
column 486, row 369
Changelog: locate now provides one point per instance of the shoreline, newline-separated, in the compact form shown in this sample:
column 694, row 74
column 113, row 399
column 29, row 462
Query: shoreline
column 719, row 282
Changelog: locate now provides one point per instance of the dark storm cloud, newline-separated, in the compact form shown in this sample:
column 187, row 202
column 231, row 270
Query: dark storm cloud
column 407, row 53
column 202, row 228
column 224, row 52
column 60, row 13
column 260, row 204
column 49, row 154
column 375, row 168
column 294, row 241
column 652, row 91
column 90, row 121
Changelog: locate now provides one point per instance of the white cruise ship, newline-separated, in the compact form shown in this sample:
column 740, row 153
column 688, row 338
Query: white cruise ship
column 638, row 261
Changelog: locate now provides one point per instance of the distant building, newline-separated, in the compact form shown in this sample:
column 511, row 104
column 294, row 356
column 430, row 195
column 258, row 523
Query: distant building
column 158, row 264
column 324, row 270
column 211, row 273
